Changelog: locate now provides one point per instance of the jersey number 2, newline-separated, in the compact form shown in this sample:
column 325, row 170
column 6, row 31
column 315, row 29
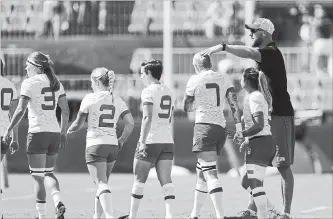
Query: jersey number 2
column 3, row 92
column 109, row 116
column 215, row 86
column 48, row 98
column 166, row 105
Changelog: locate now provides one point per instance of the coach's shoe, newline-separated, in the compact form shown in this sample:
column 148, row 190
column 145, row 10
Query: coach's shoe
column 189, row 217
column 124, row 217
column 246, row 214
column 60, row 211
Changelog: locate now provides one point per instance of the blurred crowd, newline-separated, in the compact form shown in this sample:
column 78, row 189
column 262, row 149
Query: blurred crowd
column 51, row 18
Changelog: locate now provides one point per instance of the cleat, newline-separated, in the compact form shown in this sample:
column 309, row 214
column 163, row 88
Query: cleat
column 189, row 217
column 60, row 211
column 283, row 216
column 246, row 214
column 124, row 217
column 273, row 214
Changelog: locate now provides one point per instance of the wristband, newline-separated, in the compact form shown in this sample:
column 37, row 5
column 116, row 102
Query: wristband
column 223, row 46
column 239, row 127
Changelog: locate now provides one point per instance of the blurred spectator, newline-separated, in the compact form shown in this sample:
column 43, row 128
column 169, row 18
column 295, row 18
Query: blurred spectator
column 11, row 18
column 322, row 45
column 53, row 15
column 102, row 16
column 190, row 17
column 218, row 18
column 151, row 15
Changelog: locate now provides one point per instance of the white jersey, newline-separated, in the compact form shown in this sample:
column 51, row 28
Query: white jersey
column 104, row 111
column 8, row 93
column 256, row 103
column 42, row 104
column 209, row 90
column 162, row 99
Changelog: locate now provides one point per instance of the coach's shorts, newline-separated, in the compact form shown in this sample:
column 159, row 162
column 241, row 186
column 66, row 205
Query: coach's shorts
column 283, row 131
column 208, row 137
column 102, row 153
column 156, row 152
column 43, row 143
column 263, row 149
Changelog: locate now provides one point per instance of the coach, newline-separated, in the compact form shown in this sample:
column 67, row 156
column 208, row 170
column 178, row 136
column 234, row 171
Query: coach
column 270, row 60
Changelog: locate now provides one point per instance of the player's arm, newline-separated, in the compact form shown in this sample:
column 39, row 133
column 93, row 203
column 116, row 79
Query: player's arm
column 129, row 125
column 256, row 109
column 63, row 104
column 258, row 124
column 78, row 123
column 233, row 103
column 188, row 103
column 237, row 50
column 19, row 112
column 147, row 110
column 188, row 100
column 12, row 108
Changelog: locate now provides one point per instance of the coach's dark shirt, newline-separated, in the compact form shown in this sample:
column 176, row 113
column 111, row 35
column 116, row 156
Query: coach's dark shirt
column 272, row 64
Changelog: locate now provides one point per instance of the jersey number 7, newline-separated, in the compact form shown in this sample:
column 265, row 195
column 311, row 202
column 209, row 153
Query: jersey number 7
column 166, row 105
column 215, row 86
column 3, row 92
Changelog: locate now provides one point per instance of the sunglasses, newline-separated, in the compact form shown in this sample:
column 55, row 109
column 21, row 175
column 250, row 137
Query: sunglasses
column 254, row 30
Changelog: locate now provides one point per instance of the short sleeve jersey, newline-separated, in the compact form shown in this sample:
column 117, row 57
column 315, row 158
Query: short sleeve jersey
column 272, row 64
column 209, row 90
column 104, row 111
column 42, row 103
column 162, row 99
column 255, row 103
column 8, row 93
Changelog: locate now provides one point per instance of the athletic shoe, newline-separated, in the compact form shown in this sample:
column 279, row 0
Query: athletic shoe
column 283, row 216
column 60, row 211
column 273, row 214
column 246, row 214
column 124, row 217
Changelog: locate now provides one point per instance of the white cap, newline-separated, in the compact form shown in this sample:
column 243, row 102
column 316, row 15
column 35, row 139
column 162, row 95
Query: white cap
column 262, row 24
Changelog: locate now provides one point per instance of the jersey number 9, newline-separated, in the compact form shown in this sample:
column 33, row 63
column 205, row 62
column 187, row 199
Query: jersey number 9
column 109, row 116
column 166, row 105
column 3, row 92
column 48, row 98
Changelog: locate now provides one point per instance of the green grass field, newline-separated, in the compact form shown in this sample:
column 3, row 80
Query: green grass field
column 312, row 196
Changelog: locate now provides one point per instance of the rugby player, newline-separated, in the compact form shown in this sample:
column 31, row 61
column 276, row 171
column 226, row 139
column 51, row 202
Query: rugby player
column 103, row 109
column 41, row 92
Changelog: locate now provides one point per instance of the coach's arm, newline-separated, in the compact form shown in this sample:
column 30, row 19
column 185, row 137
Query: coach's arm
column 237, row 50
column 233, row 103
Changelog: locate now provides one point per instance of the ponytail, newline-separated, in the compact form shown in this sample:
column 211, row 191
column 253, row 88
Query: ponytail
column 111, row 77
column 263, row 88
column 54, row 81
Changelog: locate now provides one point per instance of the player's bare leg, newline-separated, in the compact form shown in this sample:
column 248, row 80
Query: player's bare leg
column 37, row 168
column 52, row 183
column 200, row 192
column 208, row 160
column 287, row 188
column 98, row 207
column 98, row 171
column 163, row 170
column 141, row 171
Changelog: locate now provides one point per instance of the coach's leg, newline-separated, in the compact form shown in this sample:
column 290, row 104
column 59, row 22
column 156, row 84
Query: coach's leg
column 200, row 192
column 98, row 172
column 208, row 160
column 163, row 170
column 141, row 170
column 37, row 168
column 287, row 187
column 283, row 131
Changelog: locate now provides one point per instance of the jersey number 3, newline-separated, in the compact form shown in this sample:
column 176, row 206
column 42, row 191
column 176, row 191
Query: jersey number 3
column 166, row 105
column 3, row 92
column 48, row 98
column 109, row 116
